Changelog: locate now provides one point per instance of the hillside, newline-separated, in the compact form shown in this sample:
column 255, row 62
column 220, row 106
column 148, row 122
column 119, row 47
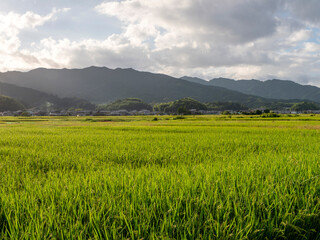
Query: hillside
column 184, row 105
column 128, row 104
column 27, row 96
column 9, row 104
column 101, row 85
column 275, row 89
column 195, row 80
column 34, row 98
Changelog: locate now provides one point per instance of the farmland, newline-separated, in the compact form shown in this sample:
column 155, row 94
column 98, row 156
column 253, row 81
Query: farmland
column 203, row 177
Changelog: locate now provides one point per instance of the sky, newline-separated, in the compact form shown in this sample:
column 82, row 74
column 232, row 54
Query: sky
column 239, row 39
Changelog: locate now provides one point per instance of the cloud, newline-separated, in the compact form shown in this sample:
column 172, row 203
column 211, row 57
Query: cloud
column 307, row 10
column 113, row 52
column 11, row 25
column 230, row 20
column 196, row 34
column 234, row 38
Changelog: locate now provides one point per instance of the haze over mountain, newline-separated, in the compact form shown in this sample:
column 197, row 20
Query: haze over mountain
column 196, row 80
column 101, row 85
column 29, row 97
column 9, row 104
column 33, row 98
column 274, row 89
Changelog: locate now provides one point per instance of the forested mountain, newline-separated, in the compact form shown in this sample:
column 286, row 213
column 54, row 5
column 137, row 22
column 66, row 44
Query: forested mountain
column 29, row 97
column 274, row 89
column 195, row 80
column 9, row 104
column 66, row 88
column 184, row 104
column 33, row 98
column 128, row 104
column 101, row 85
column 279, row 89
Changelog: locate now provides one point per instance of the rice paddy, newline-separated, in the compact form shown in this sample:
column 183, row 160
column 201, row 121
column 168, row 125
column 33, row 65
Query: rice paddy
column 203, row 177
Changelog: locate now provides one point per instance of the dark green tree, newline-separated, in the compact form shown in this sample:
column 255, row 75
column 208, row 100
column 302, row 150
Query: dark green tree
column 183, row 111
column 303, row 106
column 184, row 103
column 128, row 104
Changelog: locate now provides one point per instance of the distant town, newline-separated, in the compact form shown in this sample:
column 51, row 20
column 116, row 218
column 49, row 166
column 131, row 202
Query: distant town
column 124, row 112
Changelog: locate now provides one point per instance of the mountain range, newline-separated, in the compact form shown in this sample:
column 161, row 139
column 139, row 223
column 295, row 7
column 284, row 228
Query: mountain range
column 76, row 87
column 101, row 85
column 274, row 89
column 29, row 98
column 8, row 103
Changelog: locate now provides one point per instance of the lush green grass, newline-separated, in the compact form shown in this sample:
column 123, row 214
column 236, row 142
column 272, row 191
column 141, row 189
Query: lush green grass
column 206, row 177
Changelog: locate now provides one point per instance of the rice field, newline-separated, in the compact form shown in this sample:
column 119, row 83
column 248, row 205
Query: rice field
column 203, row 177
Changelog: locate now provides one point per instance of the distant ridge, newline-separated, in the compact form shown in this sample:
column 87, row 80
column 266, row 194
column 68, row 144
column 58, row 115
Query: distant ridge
column 196, row 80
column 274, row 89
column 9, row 104
column 29, row 97
column 101, row 85
column 33, row 98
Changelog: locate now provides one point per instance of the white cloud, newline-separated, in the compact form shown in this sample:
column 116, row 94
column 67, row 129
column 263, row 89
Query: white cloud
column 113, row 52
column 299, row 36
column 11, row 24
column 312, row 47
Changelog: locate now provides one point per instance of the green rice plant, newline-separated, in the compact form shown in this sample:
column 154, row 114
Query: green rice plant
column 201, row 177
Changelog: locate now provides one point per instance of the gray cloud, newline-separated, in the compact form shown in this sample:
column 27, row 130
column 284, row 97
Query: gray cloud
column 230, row 20
column 305, row 10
